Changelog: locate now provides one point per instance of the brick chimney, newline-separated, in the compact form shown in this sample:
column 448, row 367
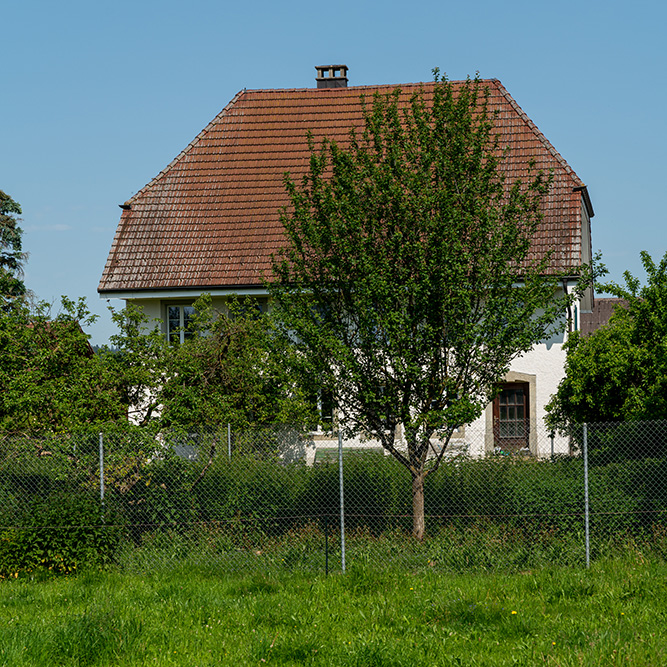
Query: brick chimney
column 331, row 76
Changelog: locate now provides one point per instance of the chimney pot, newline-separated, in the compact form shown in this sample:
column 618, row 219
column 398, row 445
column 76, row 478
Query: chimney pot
column 331, row 76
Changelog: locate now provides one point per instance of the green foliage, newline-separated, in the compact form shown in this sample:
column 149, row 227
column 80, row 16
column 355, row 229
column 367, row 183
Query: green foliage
column 162, row 497
column 59, row 533
column 486, row 513
column 248, row 501
column 230, row 370
column 619, row 372
column 49, row 377
column 137, row 362
column 406, row 285
column 50, row 380
column 11, row 255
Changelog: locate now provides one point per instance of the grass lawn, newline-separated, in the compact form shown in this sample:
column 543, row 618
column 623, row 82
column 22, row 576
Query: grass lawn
column 613, row 614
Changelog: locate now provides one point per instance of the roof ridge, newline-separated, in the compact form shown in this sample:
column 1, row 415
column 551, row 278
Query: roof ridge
column 187, row 149
column 366, row 86
column 538, row 133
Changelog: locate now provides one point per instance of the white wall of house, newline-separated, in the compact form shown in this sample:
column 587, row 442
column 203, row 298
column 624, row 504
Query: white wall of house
column 152, row 310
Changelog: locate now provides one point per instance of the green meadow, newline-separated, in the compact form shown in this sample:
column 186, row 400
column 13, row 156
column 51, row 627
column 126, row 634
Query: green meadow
column 613, row 614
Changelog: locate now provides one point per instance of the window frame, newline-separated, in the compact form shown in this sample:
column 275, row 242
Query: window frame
column 512, row 442
column 182, row 331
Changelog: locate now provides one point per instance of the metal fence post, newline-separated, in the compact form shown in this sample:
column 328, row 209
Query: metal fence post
column 586, row 509
column 342, row 512
column 326, row 545
column 229, row 440
column 102, row 473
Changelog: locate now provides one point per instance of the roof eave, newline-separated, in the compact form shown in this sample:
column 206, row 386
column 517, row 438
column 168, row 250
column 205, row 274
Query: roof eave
column 587, row 199
column 182, row 292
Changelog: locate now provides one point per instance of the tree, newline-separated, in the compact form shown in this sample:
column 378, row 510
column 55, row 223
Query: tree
column 619, row 372
column 137, row 362
column 50, row 379
column 11, row 255
column 405, row 284
column 230, row 370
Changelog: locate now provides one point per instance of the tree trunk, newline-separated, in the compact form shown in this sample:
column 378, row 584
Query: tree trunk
column 418, row 506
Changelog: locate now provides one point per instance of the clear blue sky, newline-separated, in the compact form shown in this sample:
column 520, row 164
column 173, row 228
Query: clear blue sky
column 97, row 98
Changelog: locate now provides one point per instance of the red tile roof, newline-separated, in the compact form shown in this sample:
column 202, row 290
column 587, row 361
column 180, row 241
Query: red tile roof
column 210, row 219
column 599, row 316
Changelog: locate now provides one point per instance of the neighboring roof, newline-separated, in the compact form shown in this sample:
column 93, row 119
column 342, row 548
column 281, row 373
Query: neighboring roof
column 602, row 311
column 211, row 218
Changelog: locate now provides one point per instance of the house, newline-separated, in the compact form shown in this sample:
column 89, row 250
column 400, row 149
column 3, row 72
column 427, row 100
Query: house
column 209, row 222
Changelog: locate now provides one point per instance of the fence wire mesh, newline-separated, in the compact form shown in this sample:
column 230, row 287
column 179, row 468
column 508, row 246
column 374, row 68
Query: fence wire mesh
column 271, row 497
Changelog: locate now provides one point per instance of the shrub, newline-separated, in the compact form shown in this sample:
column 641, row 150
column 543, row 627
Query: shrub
column 60, row 533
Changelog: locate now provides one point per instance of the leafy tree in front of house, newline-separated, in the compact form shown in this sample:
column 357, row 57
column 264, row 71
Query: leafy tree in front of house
column 231, row 370
column 50, row 377
column 137, row 363
column 399, row 285
column 619, row 372
column 11, row 254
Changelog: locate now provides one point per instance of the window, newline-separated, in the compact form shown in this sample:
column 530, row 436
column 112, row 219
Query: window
column 323, row 404
column 511, row 424
column 179, row 320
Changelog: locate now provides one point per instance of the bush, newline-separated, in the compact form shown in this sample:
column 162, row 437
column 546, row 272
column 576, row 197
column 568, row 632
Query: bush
column 59, row 534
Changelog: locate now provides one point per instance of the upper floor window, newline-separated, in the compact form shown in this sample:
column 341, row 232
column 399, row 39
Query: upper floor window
column 179, row 321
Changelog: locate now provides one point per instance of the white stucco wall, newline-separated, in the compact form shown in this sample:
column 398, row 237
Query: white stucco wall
column 152, row 310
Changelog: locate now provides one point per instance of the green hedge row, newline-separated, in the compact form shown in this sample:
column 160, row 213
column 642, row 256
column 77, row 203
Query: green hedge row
column 53, row 517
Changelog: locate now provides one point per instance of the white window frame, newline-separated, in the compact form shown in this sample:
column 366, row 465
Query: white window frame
column 180, row 331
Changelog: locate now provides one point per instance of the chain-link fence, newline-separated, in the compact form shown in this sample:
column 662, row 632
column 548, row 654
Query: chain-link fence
column 278, row 497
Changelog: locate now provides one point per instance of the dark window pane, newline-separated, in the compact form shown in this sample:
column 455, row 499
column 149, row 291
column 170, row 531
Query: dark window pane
column 512, row 427
column 188, row 315
column 179, row 320
column 173, row 323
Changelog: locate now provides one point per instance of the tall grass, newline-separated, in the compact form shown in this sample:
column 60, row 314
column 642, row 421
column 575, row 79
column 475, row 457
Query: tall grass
column 613, row 614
